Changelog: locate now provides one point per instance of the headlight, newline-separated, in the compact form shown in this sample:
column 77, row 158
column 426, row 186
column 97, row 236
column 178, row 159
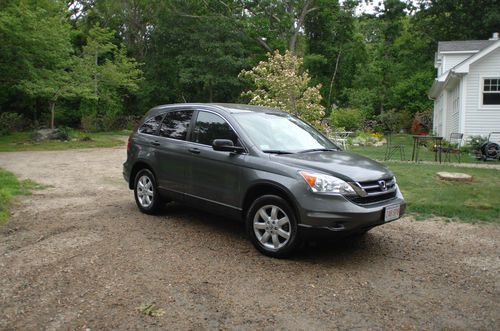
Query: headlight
column 321, row 183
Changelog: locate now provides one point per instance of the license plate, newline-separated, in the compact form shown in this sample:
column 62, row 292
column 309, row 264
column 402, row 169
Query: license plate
column 391, row 213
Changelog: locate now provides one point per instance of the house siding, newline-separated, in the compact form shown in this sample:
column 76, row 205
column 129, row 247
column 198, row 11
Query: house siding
column 438, row 116
column 452, row 111
column 480, row 120
column 451, row 60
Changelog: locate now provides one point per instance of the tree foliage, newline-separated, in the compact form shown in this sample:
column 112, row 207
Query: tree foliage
column 91, row 61
column 106, row 75
column 279, row 82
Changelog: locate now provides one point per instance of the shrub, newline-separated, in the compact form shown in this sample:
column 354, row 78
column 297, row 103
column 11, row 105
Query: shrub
column 422, row 122
column 393, row 120
column 475, row 143
column 89, row 123
column 368, row 139
column 349, row 118
column 10, row 122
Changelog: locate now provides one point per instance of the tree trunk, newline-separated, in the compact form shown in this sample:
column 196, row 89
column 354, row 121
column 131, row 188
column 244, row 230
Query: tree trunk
column 298, row 25
column 333, row 78
column 52, row 105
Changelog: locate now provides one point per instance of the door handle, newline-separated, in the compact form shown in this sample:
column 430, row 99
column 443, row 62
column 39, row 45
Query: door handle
column 194, row 150
column 155, row 143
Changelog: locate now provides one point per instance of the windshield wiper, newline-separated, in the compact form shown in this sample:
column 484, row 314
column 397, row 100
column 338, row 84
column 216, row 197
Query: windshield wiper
column 276, row 151
column 318, row 150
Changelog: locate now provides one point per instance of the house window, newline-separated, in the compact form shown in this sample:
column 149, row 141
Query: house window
column 491, row 91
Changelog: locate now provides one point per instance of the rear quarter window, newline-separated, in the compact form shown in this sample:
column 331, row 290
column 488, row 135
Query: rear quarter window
column 151, row 125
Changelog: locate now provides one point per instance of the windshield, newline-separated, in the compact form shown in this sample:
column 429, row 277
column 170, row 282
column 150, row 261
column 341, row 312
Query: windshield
column 281, row 133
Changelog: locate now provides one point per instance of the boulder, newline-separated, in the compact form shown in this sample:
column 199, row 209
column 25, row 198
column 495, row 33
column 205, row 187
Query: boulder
column 50, row 134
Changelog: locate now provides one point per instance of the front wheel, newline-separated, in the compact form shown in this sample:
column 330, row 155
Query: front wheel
column 146, row 193
column 272, row 226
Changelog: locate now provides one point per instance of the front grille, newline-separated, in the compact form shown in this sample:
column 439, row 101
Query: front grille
column 374, row 191
column 371, row 199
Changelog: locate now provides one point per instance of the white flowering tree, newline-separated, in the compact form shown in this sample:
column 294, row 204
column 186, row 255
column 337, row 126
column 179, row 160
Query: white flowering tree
column 280, row 82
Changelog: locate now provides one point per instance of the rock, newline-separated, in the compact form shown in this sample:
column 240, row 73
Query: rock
column 49, row 134
column 454, row 176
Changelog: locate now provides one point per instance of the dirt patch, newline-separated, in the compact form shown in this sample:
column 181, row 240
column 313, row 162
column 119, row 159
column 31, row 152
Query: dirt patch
column 79, row 254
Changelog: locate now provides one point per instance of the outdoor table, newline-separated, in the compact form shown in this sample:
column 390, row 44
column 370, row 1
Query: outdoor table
column 417, row 139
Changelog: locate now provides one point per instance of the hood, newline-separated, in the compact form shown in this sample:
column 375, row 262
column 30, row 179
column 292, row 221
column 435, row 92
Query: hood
column 344, row 165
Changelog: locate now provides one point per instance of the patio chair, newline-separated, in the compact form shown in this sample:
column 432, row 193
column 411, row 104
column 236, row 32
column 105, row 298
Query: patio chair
column 340, row 138
column 393, row 145
column 454, row 146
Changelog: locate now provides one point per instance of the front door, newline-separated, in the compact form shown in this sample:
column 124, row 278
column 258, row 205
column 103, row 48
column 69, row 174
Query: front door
column 213, row 176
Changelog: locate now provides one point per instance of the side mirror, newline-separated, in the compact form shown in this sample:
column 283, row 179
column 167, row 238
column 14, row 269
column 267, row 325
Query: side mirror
column 226, row 145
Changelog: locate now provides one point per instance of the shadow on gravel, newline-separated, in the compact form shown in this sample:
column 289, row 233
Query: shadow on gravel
column 327, row 250
column 199, row 219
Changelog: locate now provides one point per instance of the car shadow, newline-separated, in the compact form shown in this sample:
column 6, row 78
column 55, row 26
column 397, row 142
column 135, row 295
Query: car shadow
column 198, row 218
column 314, row 250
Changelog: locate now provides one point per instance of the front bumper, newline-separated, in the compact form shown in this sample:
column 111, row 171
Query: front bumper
column 336, row 214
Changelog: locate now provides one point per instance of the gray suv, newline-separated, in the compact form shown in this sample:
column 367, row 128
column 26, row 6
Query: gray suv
column 278, row 174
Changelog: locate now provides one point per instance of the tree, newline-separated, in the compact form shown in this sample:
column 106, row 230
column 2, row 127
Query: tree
column 106, row 75
column 457, row 19
column 280, row 83
column 35, row 57
column 334, row 49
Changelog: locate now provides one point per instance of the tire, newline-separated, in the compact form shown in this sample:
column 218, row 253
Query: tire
column 146, row 193
column 271, row 225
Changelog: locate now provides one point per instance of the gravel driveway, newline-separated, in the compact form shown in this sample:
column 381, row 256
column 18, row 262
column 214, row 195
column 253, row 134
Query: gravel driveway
column 79, row 255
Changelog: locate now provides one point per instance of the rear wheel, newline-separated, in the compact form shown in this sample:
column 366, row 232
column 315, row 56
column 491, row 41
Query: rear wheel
column 146, row 193
column 272, row 226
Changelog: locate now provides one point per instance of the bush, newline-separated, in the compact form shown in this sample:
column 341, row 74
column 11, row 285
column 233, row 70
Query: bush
column 89, row 123
column 394, row 121
column 349, row 118
column 475, row 143
column 368, row 139
column 10, row 122
column 422, row 122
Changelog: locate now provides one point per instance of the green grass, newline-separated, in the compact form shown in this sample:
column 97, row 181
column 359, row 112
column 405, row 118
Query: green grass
column 10, row 186
column 427, row 195
column 21, row 141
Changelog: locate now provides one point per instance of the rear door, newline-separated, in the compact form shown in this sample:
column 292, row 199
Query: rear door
column 213, row 176
column 172, row 151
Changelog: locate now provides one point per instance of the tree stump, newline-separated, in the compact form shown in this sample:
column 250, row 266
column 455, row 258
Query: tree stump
column 454, row 176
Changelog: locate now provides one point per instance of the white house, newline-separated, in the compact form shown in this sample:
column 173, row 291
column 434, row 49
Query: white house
column 466, row 92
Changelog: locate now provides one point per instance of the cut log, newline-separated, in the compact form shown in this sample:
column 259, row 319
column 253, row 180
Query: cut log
column 454, row 176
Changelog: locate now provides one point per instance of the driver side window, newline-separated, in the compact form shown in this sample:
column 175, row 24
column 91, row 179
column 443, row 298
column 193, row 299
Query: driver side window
column 210, row 126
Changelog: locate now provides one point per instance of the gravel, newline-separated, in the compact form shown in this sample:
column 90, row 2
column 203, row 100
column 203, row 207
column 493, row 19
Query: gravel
column 79, row 255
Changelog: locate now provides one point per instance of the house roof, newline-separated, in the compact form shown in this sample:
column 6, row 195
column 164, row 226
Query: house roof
column 463, row 45
column 463, row 67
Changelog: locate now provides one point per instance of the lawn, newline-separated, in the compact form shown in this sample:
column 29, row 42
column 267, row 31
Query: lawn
column 427, row 195
column 10, row 186
column 21, row 141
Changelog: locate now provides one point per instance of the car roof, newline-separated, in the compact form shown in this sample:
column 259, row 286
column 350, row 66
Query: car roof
column 225, row 107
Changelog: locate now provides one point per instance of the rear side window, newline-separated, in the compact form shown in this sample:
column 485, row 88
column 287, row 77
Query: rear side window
column 175, row 124
column 151, row 125
column 209, row 127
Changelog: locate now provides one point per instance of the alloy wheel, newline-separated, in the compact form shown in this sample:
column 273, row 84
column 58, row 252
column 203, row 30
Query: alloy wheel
column 272, row 227
column 145, row 192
